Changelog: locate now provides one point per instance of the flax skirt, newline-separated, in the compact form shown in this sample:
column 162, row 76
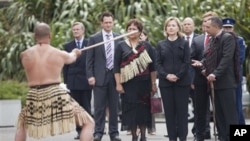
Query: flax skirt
column 50, row 111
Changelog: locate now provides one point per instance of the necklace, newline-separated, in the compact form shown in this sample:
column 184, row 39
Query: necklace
column 133, row 47
column 172, row 38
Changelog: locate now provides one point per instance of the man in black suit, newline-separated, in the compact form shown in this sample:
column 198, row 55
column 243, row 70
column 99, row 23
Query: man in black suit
column 218, row 66
column 75, row 74
column 188, row 30
column 202, row 103
column 100, row 75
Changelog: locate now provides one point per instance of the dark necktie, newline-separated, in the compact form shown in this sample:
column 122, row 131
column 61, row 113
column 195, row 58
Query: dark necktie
column 188, row 39
column 78, row 44
column 210, row 57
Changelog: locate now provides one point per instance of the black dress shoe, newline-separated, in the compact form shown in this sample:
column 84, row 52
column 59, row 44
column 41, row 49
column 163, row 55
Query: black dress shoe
column 115, row 138
column 198, row 139
column 207, row 135
column 143, row 139
column 77, row 137
column 97, row 138
column 135, row 138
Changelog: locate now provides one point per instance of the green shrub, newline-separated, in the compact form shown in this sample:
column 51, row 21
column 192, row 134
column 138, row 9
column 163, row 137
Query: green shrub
column 13, row 90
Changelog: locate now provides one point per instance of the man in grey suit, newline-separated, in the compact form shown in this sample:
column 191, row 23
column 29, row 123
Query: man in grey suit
column 100, row 75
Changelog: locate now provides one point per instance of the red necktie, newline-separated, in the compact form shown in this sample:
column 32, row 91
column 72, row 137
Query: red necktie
column 206, row 42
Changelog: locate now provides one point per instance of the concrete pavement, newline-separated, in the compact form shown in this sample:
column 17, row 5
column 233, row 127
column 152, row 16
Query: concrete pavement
column 7, row 134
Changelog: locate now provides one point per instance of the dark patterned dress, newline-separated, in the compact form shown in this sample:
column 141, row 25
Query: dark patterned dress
column 135, row 69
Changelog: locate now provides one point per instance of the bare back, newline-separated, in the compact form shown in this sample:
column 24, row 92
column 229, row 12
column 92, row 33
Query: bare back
column 43, row 64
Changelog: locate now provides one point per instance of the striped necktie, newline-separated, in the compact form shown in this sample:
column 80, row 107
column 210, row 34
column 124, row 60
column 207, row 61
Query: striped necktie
column 109, row 53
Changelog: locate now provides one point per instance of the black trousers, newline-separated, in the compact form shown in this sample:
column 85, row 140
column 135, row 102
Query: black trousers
column 83, row 97
column 225, row 111
column 175, row 103
column 202, row 113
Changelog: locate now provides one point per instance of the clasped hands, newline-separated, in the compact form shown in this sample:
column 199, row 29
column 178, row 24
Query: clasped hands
column 172, row 77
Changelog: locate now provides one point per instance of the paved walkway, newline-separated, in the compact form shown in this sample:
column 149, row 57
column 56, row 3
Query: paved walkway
column 7, row 134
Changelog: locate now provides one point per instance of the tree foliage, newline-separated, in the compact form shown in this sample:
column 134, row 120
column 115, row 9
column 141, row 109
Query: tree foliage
column 18, row 19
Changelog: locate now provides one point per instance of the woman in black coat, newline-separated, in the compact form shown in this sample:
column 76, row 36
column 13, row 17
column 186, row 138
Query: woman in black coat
column 173, row 62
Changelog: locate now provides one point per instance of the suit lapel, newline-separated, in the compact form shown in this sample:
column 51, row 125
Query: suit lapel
column 84, row 43
column 72, row 45
column 118, row 40
column 100, row 39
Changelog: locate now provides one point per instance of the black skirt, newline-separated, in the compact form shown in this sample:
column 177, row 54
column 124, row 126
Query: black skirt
column 136, row 104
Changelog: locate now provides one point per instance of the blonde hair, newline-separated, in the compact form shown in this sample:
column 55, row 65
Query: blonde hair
column 179, row 33
column 208, row 14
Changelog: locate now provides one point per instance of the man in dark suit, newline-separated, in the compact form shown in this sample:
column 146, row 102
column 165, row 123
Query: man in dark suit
column 100, row 75
column 202, row 103
column 188, row 30
column 218, row 66
column 189, row 35
column 75, row 74
column 202, row 113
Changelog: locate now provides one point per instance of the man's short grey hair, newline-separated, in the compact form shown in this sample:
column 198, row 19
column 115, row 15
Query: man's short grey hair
column 79, row 23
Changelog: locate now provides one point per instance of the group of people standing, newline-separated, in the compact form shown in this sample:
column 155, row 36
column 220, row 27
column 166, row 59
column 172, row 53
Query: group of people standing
column 127, row 70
